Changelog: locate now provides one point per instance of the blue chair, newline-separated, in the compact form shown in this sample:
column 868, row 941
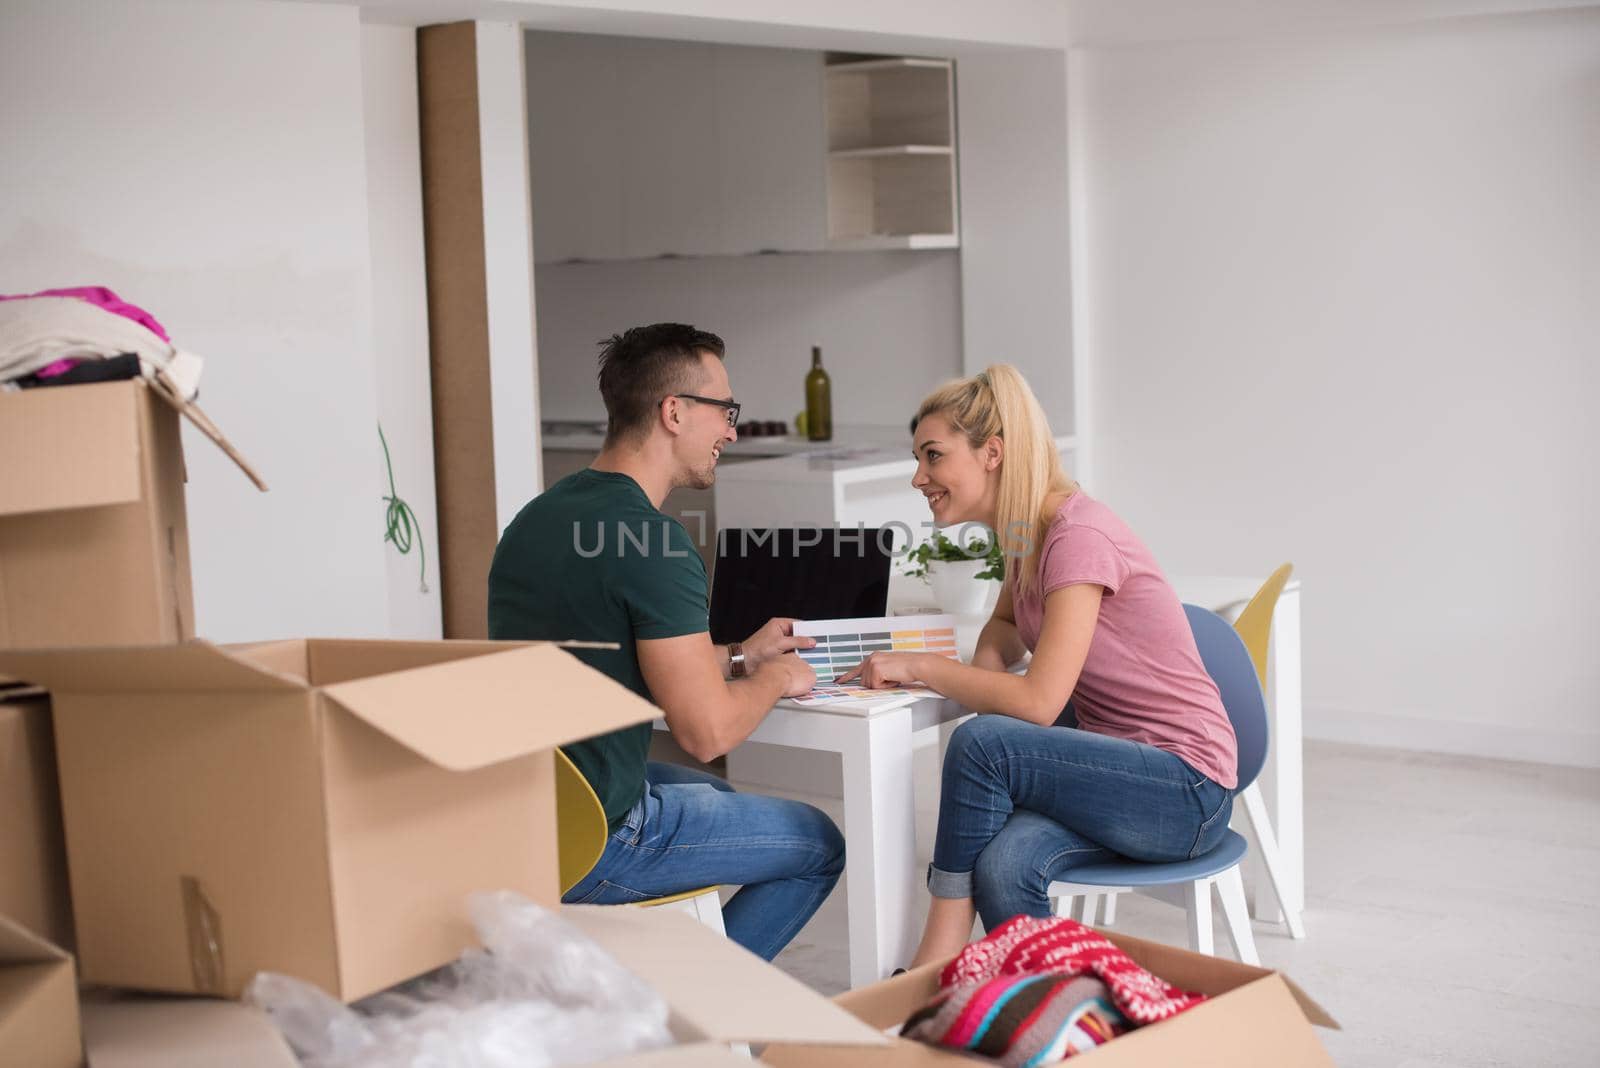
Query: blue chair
column 1188, row 883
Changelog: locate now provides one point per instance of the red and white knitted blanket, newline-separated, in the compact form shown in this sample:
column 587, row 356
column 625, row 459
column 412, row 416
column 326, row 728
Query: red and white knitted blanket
column 1027, row 945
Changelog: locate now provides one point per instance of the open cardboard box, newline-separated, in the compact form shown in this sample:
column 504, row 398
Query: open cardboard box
column 94, row 535
column 316, row 808
column 716, row 993
column 1253, row 1018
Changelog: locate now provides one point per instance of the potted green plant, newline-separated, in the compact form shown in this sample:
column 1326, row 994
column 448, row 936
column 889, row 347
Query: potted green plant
column 959, row 570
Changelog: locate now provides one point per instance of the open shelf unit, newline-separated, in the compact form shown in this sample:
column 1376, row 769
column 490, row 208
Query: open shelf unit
column 891, row 154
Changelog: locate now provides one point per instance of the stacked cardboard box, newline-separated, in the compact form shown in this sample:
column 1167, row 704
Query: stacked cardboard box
column 94, row 537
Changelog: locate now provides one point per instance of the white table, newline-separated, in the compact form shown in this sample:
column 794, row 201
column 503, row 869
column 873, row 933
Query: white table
column 883, row 880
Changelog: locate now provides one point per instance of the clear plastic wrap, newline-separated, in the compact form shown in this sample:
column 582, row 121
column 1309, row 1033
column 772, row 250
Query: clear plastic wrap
column 540, row 993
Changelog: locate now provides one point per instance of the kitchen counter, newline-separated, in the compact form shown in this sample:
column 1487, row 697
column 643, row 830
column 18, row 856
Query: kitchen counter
column 846, row 436
column 842, row 463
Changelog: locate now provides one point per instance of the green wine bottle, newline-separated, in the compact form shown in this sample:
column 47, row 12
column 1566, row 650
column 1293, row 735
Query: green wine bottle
column 819, row 400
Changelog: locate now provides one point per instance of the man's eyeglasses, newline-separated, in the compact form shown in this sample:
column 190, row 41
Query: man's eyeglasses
column 731, row 407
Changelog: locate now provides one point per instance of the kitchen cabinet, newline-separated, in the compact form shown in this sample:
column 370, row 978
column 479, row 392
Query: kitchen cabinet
column 644, row 148
column 891, row 154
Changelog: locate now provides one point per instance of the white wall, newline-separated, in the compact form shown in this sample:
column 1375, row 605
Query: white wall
column 508, row 266
column 1344, row 297
column 1015, row 233
column 889, row 324
column 206, row 161
column 400, row 320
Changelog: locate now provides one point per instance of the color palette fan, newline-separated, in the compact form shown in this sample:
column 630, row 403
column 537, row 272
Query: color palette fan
column 844, row 643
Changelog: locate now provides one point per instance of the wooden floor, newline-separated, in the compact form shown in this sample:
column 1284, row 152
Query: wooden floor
column 1452, row 915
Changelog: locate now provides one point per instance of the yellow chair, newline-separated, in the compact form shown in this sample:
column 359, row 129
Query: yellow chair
column 1254, row 627
column 581, row 832
column 1255, row 622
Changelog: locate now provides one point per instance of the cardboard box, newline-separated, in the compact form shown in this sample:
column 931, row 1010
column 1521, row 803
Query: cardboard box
column 1254, row 1018
column 716, row 991
column 317, row 808
column 94, row 539
column 123, row 1031
column 38, row 1002
column 33, row 854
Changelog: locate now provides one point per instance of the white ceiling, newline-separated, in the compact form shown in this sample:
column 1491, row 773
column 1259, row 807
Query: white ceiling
column 943, row 26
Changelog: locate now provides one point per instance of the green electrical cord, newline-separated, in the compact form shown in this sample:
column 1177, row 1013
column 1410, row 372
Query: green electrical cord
column 401, row 521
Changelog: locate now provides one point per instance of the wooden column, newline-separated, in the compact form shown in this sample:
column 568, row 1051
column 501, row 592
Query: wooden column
column 480, row 300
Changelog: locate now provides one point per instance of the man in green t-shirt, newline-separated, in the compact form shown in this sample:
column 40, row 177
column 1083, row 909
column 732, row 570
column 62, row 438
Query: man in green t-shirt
column 593, row 557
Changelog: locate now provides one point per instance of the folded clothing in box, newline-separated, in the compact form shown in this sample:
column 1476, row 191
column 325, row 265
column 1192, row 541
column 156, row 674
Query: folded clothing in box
column 1249, row 1017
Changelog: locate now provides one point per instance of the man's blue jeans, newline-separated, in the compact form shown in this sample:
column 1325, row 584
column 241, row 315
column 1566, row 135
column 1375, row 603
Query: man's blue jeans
column 691, row 830
column 1023, row 804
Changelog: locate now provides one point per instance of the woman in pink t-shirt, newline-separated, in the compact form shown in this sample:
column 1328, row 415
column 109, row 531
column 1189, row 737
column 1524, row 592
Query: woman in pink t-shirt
column 1141, row 763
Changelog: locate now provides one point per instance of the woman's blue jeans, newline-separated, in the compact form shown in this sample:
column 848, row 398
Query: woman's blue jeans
column 691, row 830
column 1022, row 805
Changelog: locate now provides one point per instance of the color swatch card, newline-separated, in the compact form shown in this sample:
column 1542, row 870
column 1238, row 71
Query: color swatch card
column 844, row 643
column 849, row 696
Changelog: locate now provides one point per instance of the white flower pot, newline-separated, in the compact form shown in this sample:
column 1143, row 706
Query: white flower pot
column 957, row 588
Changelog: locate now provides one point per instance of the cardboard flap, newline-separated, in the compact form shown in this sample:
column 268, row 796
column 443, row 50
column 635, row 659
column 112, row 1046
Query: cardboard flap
column 152, row 1032
column 1313, row 1012
column 18, row 945
column 163, row 388
column 715, row 986
column 888, row 1002
column 466, row 714
column 69, row 447
column 186, row 668
column 694, row 1055
column 1211, row 975
column 1257, row 1025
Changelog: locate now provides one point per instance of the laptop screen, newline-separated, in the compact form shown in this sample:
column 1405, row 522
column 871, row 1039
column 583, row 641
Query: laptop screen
column 803, row 572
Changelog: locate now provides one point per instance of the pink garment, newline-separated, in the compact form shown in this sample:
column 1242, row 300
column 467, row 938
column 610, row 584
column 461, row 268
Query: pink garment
column 1143, row 679
column 60, row 367
column 103, row 298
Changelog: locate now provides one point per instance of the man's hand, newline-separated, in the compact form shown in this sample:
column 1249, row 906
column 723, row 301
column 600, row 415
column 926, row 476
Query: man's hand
column 774, row 639
column 882, row 671
column 796, row 675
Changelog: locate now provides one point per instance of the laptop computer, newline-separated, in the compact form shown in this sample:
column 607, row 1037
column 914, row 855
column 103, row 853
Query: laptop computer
column 802, row 572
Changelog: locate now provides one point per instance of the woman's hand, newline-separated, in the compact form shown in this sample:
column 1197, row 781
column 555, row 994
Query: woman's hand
column 883, row 671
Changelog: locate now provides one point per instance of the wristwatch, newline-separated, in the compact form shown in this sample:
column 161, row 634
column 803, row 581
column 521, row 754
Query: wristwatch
column 735, row 660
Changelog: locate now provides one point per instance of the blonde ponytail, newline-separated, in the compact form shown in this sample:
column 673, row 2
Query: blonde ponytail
column 997, row 402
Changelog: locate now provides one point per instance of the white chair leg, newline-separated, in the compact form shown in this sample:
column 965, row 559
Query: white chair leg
column 1255, row 807
column 708, row 910
column 1065, row 906
column 1197, row 904
column 1108, row 911
column 1091, row 905
column 1230, row 890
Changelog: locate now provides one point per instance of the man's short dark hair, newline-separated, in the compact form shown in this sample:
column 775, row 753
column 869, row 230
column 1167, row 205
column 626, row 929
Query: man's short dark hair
column 644, row 365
